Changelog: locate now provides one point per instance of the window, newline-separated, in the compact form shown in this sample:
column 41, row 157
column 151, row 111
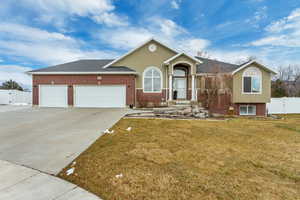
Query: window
column 252, row 80
column 247, row 110
column 152, row 80
column 179, row 72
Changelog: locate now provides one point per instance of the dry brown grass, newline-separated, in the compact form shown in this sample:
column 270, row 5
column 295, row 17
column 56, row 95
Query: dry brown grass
column 190, row 159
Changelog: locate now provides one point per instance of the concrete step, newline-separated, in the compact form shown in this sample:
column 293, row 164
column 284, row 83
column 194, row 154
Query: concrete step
column 182, row 102
column 180, row 106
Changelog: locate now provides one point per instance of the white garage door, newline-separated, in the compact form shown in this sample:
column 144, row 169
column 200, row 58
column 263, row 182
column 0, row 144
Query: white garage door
column 110, row 96
column 53, row 96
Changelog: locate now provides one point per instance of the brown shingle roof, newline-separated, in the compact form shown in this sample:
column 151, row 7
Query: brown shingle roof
column 215, row 66
column 85, row 66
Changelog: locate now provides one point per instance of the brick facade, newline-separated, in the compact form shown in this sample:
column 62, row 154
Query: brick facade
column 222, row 102
column 218, row 104
column 260, row 108
column 71, row 80
column 150, row 99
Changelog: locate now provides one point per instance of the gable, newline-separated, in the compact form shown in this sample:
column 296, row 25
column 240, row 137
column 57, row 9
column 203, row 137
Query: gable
column 263, row 97
column 183, row 58
column 142, row 57
column 142, row 54
column 260, row 67
column 253, row 62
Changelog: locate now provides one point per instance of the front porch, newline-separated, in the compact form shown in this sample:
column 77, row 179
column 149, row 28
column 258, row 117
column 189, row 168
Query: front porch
column 181, row 79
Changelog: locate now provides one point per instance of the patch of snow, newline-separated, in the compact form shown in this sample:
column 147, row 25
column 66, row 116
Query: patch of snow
column 20, row 104
column 119, row 175
column 70, row 171
column 129, row 129
column 108, row 131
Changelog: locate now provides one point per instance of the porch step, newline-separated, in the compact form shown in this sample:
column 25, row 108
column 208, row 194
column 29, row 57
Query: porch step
column 182, row 102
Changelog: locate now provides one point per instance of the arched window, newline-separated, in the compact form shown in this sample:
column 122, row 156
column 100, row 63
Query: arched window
column 179, row 72
column 252, row 81
column 152, row 80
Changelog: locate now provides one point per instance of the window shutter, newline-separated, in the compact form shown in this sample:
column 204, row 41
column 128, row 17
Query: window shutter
column 247, row 84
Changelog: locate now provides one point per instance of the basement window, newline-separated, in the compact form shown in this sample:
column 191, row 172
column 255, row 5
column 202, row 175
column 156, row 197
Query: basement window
column 247, row 110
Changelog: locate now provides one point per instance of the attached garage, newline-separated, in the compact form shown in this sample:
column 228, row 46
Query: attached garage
column 96, row 96
column 84, row 83
column 53, row 95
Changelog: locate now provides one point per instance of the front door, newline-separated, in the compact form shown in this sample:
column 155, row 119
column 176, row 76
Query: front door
column 180, row 87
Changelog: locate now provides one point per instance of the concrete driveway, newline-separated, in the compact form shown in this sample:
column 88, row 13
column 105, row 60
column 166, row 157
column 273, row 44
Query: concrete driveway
column 47, row 139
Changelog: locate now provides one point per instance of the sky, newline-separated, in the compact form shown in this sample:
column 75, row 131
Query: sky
column 40, row 33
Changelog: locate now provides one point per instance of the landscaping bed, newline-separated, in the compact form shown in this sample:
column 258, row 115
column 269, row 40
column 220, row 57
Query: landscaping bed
column 193, row 159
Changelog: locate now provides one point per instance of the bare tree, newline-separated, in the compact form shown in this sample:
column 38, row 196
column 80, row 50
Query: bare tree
column 217, row 84
column 290, row 76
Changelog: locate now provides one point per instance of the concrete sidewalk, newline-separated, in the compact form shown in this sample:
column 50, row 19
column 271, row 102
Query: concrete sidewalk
column 21, row 183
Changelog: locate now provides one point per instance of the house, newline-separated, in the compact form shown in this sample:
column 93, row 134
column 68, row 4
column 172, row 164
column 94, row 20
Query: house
column 154, row 74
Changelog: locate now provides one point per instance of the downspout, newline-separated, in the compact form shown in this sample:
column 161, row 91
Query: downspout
column 167, row 89
column 135, row 91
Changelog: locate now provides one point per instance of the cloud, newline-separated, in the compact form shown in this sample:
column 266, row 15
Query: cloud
column 16, row 73
column 290, row 22
column 230, row 56
column 165, row 30
column 27, row 33
column 284, row 32
column 166, row 27
column 259, row 15
column 125, row 38
column 43, row 46
column 57, row 11
column 269, row 56
column 192, row 45
column 175, row 4
column 111, row 19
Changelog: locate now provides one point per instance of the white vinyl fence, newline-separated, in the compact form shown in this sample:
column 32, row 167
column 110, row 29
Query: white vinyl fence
column 15, row 97
column 285, row 105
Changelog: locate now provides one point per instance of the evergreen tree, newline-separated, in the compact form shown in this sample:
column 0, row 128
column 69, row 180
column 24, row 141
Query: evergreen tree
column 11, row 85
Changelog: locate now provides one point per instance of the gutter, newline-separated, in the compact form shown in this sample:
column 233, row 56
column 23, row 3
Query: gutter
column 46, row 73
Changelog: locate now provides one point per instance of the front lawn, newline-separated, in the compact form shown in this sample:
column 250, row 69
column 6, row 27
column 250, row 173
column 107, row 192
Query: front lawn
column 193, row 159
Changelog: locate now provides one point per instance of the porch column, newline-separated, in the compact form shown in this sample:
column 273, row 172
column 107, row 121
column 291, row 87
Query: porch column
column 170, row 88
column 193, row 88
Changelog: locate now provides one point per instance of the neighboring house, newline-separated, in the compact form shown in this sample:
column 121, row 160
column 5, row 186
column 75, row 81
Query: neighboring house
column 154, row 74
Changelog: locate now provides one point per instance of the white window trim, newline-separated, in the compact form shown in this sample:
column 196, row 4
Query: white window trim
column 247, row 114
column 161, row 79
column 260, row 83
